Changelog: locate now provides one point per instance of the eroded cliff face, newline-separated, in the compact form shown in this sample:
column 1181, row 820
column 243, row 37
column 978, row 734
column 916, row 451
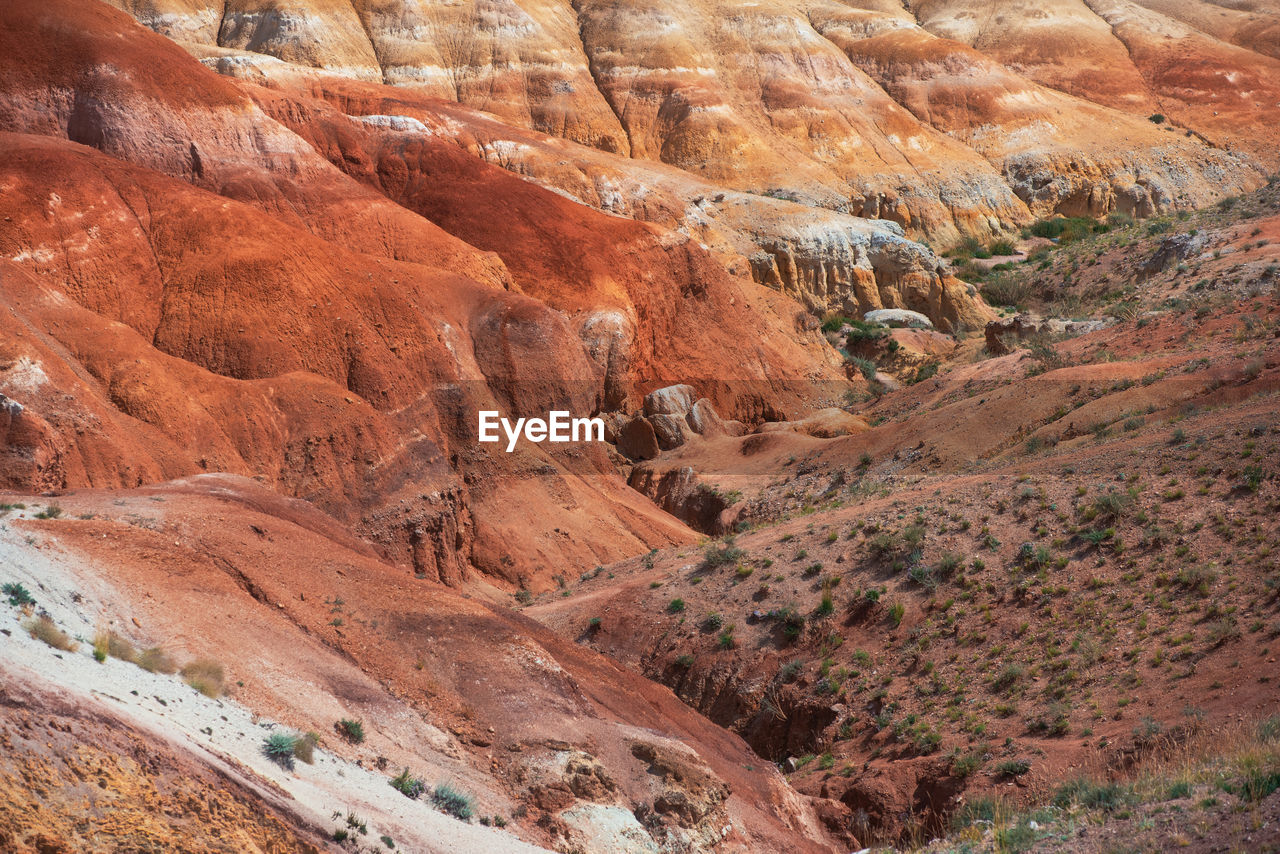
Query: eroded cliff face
column 192, row 286
column 826, row 261
column 943, row 117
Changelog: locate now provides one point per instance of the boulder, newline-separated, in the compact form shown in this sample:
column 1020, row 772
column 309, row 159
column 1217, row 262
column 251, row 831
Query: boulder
column 672, row 430
column 637, row 440
column 898, row 317
column 705, row 421
column 672, row 400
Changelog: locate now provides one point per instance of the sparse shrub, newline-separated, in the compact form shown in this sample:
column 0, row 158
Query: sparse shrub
column 865, row 366
column 452, row 801
column 792, row 622
column 684, row 661
column 156, row 660
column 925, row 371
column 712, row 622
column 1103, row 796
column 924, row 576
column 205, row 675
column 19, row 596
column 726, row 639
column 44, row 629
column 896, row 612
column 524, row 597
column 279, row 748
column 408, row 785
column 350, row 729
column 1002, row 247
column 1010, row 676
column 789, row 671
column 964, row 765
column 1013, row 768
column 724, row 554
column 675, row 606
column 53, row 511
column 1007, row 290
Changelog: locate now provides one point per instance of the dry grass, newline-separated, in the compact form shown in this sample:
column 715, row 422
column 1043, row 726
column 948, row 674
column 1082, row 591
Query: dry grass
column 206, row 676
column 304, row 747
column 156, row 660
column 43, row 628
column 107, row 642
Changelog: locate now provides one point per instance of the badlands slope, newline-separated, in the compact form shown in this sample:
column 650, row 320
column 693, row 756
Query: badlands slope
column 947, row 118
column 262, row 263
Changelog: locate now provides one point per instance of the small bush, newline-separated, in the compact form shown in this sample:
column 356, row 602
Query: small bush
column 1156, row 118
column 408, row 785
column 1013, row 768
column 53, row 511
column 896, row 612
column 1104, row 796
column 675, row 606
column 865, row 366
column 205, row 675
column 351, row 730
column 1007, row 290
column 43, row 629
column 19, row 596
column 279, row 748
column 452, row 801
column 722, row 555
column 304, row 747
column 156, row 660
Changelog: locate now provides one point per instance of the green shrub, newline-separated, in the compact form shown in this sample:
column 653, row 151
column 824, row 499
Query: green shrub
column 1002, row 247
column 18, row 595
column 351, row 730
column 279, row 748
column 452, row 801
column 408, row 785
column 1156, row 118
column 1007, row 290
column 722, row 555
column 53, row 511
column 1086, row 793
column 896, row 612
column 675, row 606
column 865, row 366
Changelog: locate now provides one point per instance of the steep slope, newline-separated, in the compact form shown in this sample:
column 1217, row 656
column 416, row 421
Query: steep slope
column 311, row 628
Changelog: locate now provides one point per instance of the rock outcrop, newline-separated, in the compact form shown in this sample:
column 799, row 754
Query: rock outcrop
column 1005, row 333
